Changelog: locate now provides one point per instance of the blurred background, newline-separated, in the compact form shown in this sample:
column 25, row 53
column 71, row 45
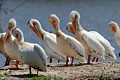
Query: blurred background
column 95, row 15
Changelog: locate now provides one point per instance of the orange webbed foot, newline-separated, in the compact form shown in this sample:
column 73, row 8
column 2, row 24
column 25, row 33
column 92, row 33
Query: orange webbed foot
column 14, row 67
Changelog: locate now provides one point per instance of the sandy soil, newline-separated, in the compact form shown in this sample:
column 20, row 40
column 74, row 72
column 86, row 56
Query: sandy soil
column 76, row 72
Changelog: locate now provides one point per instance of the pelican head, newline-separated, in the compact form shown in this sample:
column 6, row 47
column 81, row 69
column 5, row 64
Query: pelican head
column 74, row 15
column 75, row 18
column 113, row 26
column 17, row 33
column 33, row 24
column 12, row 23
column 36, row 27
column 54, row 20
column 70, row 28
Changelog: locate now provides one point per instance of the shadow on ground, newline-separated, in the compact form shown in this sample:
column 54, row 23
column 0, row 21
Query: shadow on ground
column 24, row 75
column 64, row 65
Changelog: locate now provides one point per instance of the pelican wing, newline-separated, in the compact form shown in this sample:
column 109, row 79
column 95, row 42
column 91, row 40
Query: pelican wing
column 50, row 46
column 34, row 56
column 46, row 48
column 94, row 44
column 76, row 45
column 109, row 50
column 50, row 40
column 101, row 38
column 41, row 52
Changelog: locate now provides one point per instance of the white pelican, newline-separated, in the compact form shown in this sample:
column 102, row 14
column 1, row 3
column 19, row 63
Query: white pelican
column 10, row 43
column 109, row 50
column 114, row 27
column 49, row 40
column 67, row 44
column 16, row 33
column 2, row 35
column 29, row 53
column 91, row 44
column 2, row 49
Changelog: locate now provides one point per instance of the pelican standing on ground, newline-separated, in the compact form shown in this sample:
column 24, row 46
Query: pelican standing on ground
column 2, row 35
column 16, row 33
column 91, row 44
column 10, row 43
column 67, row 44
column 109, row 50
column 32, row 54
column 29, row 53
column 49, row 40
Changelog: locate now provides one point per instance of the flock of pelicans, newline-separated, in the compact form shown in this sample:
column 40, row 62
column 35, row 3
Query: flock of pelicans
column 59, row 46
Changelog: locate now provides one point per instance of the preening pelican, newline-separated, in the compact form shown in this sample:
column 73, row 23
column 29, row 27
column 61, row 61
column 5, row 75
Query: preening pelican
column 109, row 50
column 114, row 27
column 32, row 54
column 49, row 40
column 67, row 44
column 91, row 44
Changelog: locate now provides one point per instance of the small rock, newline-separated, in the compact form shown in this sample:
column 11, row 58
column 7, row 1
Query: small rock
column 65, row 72
column 70, row 73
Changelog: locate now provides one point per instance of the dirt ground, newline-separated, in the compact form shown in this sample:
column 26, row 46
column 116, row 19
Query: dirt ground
column 76, row 72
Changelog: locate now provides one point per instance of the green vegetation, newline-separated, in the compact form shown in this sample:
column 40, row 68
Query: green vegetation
column 42, row 77
column 4, row 74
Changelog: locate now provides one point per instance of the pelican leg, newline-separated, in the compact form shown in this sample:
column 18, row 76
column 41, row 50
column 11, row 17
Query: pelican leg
column 37, row 72
column 58, row 61
column 30, row 70
column 72, row 61
column 89, row 59
column 7, row 61
column 97, row 60
column 93, row 59
column 67, row 61
column 17, row 62
column 50, row 60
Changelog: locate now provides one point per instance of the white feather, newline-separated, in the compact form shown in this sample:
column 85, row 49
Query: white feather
column 109, row 50
column 34, row 55
column 76, row 45
column 94, row 44
column 50, row 47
